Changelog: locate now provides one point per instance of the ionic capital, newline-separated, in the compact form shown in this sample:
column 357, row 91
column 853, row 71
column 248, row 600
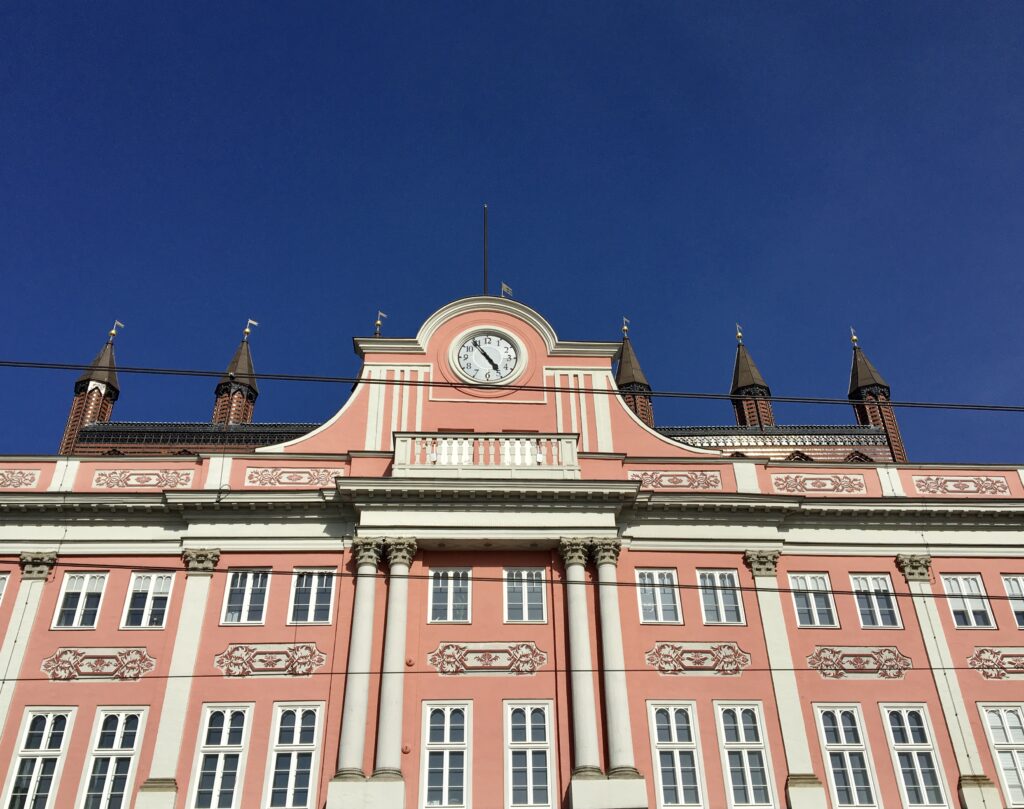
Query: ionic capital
column 36, row 565
column 606, row 551
column 574, row 551
column 200, row 560
column 367, row 551
column 914, row 567
column 400, row 551
column 762, row 563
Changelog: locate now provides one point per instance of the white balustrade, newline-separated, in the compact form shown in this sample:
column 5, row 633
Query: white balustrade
column 486, row 455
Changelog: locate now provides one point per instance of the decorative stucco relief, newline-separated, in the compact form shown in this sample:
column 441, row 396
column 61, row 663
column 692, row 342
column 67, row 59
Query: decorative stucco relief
column 270, row 660
column 839, row 662
column 98, row 664
column 290, row 476
column 699, row 480
column 143, row 479
column 940, row 484
column 18, row 478
column 698, row 658
column 824, row 484
column 998, row 663
column 520, row 657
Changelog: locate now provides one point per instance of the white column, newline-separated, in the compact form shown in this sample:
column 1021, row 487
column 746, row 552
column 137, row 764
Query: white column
column 976, row 790
column 360, row 650
column 160, row 790
column 804, row 790
column 35, row 569
column 392, row 687
column 584, row 710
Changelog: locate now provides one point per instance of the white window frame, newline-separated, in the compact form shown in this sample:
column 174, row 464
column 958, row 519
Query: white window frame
column 246, row 597
column 844, row 748
column 147, row 610
column 4, row 581
column 524, row 572
column 95, row 751
column 202, row 749
column 874, row 600
column 657, row 747
column 994, row 750
column 739, row 705
column 1014, row 585
column 88, row 575
column 965, row 598
column 914, row 747
column 717, row 591
column 296, row 572
column 554, row 797
column 274, row 747
column 450, row 596
column 796, row 588
column 466, row 747
column 659, row 587
column 20, row 752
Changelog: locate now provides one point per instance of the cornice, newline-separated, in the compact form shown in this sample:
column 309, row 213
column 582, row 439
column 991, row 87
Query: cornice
column 392, row 491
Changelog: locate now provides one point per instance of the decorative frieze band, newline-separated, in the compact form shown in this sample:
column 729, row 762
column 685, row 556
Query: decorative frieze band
column 291, row 476
column 69, row 664
column 36, row 564
column 840, row 662
column 1002, row 663
column 699, row 480
column 726, row 658
column 517, row 658
column 819, row 484
column 19, row 478
column 995, row 486
column 143, row 479
column 270, row 660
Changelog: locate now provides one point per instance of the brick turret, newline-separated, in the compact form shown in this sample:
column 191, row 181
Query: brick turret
column 869, row 394
column 96, row 390
column 755, row 408
column 631, row 382
column 236, row 391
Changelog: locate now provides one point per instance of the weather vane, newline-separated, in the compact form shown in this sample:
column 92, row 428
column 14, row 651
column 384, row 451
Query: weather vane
column 853, row 337
column 381, row 317
column 247, row 331
column 113, row 331
column 739, row 334
column 625, row 326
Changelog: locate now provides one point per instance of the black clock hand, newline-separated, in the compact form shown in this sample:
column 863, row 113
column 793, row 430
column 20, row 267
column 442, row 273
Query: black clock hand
column 486, row 356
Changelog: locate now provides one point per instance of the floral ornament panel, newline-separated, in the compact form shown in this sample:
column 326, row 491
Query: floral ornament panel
column 270, row 660
column 963, row 486
column 98, row 664
column 725, row 659
column 837, row 663
column 143, row 479
column 18, row 478
column 520, row 657
column 286, row 476
column 698, row 480
column 998, row 664
column 819, row 484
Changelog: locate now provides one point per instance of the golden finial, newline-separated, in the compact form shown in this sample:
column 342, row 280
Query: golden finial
column 113, row 331
column 853, row 338
column 739, row 334
column 247, row 331
column 378, row 323
column 625, row 327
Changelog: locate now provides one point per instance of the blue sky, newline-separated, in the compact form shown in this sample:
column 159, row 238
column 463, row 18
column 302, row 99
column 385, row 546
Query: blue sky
column 799, row 167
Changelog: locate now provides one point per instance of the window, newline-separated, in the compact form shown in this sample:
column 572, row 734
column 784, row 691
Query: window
column 529, row 755
column 292, row 756
column 1015, row 590
column 914, row 756
column 221, row 755
column 875, row 601
column 846, row 756
column 967, row 601
column 37, row 762
column 674, row 739
column 246, row 596
column 80, row 598
column 449, row 594
column 115, row 743
column 658, row 594
column 312, row 596
column 719, row 597
column 147, row 600
column 3, row 586
column 524, row 595
column 445, row 753
column 743, row 750
column 1005, row 725
column 813, row 599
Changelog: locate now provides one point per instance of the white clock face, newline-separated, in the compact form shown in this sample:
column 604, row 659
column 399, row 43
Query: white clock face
column 487, row 357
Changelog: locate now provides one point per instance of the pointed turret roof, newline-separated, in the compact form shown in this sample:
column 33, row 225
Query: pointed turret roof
column 240, row 370
column 744, row 373
column 103, row 368
column 863, row 374
column 629, row 371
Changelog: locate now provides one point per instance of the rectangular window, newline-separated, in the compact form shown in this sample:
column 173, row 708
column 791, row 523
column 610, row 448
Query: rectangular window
column 1015, row 590
column 812, row 595
column 3, row 586
column 222, row 739
column 446, row 752
column 658, row 596
column 720, row 596
column 1005, row 727
column 246, row 596
column 914, row 755
column 676, row 761
column 80, row 597
column 449, row 595
column 846, row 756
column 743, row 750
column 524, row 595
column 967, row 601
column 38, row 759
column 293, row 756
column 875, row 602
column 312, row 596
column 115, row 744
column 148, row 596
column 529, row 755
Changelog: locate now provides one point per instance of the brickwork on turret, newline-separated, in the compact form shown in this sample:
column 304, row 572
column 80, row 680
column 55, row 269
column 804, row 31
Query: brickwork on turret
column 754, row 412
column 874, row 410
column 640, row 403
column 234, row 404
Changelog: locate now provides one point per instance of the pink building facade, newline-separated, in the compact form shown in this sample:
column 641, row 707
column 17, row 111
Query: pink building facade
column 491, row 581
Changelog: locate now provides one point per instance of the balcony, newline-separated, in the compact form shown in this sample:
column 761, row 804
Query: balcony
column 534, row 456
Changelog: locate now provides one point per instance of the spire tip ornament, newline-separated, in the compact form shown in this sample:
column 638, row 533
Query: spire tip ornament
column 113, row 331
column 381, row 317
column 853, row 338
column 625, row 327
column 247, row 330
column 739, row 334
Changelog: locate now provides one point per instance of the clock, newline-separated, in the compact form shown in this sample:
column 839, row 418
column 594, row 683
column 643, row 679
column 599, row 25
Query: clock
column 487, row 356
